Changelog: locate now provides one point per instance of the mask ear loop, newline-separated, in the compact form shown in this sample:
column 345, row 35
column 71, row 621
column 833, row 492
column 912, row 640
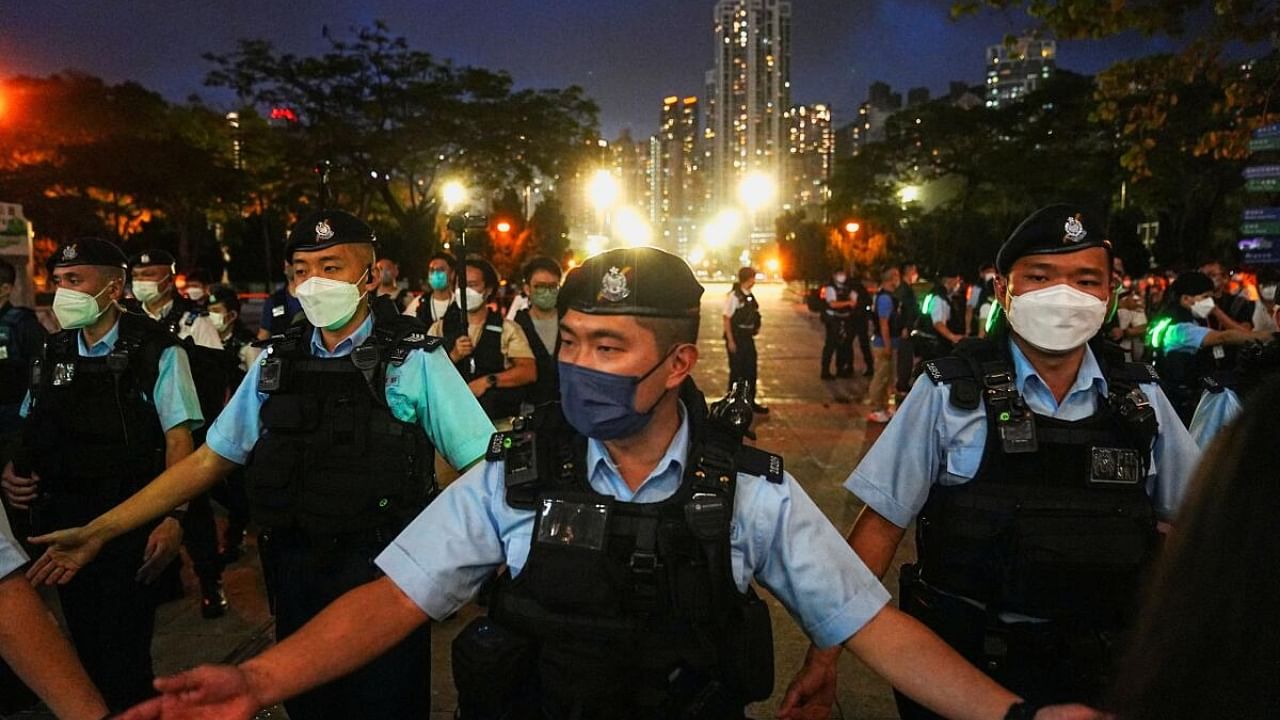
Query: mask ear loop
column 654, row 369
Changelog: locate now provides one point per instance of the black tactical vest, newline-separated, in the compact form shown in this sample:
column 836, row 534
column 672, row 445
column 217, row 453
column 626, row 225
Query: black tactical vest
column 332, row 459
column 1182, row 374
column 895, row 318
column 632, row 607
column 1057, row 522
column 746, row 319
column 93, row 434
column 547, row 389
column 487, row 359
column 843, row 293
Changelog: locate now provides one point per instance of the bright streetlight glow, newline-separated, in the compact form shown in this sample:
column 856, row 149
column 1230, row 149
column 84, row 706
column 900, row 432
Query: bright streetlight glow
column 909, row 193
column 454, row 194
column 503, row 227
column 595, row 244
column 721, row 229
column 757, row 190
column 603, row 190
column 852, row 227
column 772, row 265
column 630, row 227
column 697, row 255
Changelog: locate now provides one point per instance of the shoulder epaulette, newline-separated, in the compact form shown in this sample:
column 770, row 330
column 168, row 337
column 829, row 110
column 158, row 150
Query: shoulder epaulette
column 947, row 369
column 1140, row 373
column 754, row 461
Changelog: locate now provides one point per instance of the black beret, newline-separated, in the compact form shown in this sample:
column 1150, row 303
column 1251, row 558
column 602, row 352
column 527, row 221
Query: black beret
column 1053, row 230
column 327, row 228
column 1190, row 283
column 152, row 258
column 87, row 251
column 224, row 295
column 632, row 281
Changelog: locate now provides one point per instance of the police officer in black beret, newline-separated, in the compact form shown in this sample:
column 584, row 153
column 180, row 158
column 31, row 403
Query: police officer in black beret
column 111, row 405
column 628, row 525
column 337, row 426
column 1037, row 489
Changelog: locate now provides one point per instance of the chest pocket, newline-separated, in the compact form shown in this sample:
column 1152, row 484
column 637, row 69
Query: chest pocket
column 290, row 414
column 962, row 463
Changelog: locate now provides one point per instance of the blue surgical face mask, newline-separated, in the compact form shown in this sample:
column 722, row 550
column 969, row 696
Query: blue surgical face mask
column 602, row 405
column 438, row 279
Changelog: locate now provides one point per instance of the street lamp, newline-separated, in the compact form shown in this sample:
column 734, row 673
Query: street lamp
column 756, row 191
column 454, row 194
column 718, row 232
column 603, row 190
column 852, row 227
column 503, row 226
column 631, row 228
column 909, row 194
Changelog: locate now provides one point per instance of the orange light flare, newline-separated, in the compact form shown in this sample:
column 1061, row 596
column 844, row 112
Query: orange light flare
column 503, row 226
column 852, row 227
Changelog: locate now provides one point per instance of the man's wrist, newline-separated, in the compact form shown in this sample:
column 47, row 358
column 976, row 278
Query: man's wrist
column 258, row 682
column 1022, row 710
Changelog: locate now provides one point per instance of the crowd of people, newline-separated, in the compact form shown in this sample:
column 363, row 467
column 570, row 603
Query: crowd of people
column 614, row 524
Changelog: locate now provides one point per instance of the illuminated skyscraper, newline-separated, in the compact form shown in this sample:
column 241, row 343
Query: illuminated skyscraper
column 1014, row 71
column 811, row 141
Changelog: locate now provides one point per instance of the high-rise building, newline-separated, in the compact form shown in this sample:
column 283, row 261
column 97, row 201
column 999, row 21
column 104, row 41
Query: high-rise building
column 880, row 104
column 630, row 160
column 917, row 96
column 676, row 188
column 752, row 83
column 811, row 141
column 1015, row 70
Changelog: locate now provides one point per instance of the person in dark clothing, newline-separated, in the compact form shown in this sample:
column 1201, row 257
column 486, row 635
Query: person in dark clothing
column 281, row 308
column 387, row 276
column 860, row 326
column 21, row 338
column 540, row 322
column 237, row 342
column 741, row 319
column 909, row 311
column 839, row 299
column 440, row 301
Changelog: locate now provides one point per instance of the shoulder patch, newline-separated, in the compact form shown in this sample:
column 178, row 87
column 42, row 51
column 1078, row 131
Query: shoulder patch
column 754, row 461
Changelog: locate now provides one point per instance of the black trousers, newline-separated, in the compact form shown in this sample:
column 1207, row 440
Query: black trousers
column 1042, row 662
column 305, row 576
column 743, row 363
column 112, row 617
column 905, row 360
column 838, row 343
column 861, row 331
column 231, row 494
column 200, row 535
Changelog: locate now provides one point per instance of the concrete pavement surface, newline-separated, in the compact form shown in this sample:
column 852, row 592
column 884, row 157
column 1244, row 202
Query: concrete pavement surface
column 817, row 426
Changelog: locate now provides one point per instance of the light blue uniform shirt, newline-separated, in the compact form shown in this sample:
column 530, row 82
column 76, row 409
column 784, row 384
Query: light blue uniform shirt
column 778, row 537
column 1215, row 411
column 1183, row 337
column 11, row 555
column 940, row 312
column 174, row 393
column 426, row 390
column 932, row 441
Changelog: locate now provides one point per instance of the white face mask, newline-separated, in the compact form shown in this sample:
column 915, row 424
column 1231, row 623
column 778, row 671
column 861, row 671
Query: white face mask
column 75, row 309
column 1203, row 308
column 195, row 293
column 1058, row 318
column 840, row 278
column 328, row 303
column 219, row 321
column 147, row 291
column 1268, row 293
column 475, row 300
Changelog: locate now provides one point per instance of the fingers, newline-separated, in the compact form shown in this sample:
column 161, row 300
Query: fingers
column 174, row 684
column 50, row 570
column 149, row 710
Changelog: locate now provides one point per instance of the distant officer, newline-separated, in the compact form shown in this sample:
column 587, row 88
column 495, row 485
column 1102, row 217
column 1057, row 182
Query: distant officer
column 628, row 526
column 281, row 308
column 153, row 285
column 111, row 404
column 237, row 340
column 541, row 325
column 1036, row 463
column 839, row 299
column 21, row 338
column 154, row 288
column 197, row 289
column 909, row 307
column 337, row 424
column 741, row 318
column 387, row 275
column 1224, row 392
column 941, row 323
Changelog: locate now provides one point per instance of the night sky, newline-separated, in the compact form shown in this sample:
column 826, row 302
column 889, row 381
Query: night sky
column 628, row 54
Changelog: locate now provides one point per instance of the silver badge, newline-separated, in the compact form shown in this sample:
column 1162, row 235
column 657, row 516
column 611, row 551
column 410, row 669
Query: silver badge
column 69, row 252
column 1075, row 230
column 144, row 260
column 323, row 231
column 63, row 374
column 614, row 286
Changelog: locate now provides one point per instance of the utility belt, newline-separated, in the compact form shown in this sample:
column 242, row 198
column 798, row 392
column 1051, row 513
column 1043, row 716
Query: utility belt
column 1077, row 653
column 501, row 674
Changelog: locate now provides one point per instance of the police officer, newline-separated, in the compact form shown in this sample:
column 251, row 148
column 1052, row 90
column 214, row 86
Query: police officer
column 111, row 404
column 1224, row 392
column 153, row 285
column 540, row 322
column 281, row 308
column 1038, row 489
column 630, row 523
column 941, row 323
column 741, row 318
column 154, row 288
column 337, row 424
column 839, row 299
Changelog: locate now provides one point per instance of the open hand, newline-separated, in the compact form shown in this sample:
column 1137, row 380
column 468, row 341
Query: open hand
column 209, row 692
column 162, row 548
column 69, row 551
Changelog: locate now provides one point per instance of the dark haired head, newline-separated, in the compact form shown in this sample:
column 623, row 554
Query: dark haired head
column 486, row 268
column 746, row 273
column 445, row 256
column 541, row 263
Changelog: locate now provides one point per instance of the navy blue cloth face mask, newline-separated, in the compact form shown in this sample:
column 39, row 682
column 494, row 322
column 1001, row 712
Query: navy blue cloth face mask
column 602, row 405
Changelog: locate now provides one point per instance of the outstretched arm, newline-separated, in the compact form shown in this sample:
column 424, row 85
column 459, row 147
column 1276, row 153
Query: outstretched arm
column 32, row 645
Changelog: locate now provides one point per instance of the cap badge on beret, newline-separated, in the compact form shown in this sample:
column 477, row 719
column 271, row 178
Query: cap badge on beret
column 1075, row 230
column 145, row 259
column 323, row 231
column 69, row 252
column 614, row 286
